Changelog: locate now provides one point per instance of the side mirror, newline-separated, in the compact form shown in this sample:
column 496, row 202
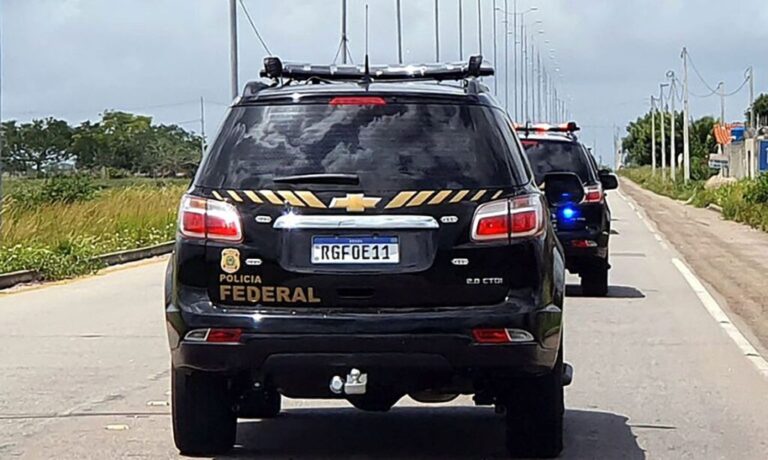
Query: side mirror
column 563, row 188
column 609, row 180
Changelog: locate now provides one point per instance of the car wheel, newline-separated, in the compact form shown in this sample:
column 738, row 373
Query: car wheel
column 594, row 281
column 204, row 422
column 374, row 402
column 259, row 404
column 534, row 416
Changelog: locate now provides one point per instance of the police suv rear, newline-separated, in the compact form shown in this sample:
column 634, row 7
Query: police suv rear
column 584, row 228
column 366, row 234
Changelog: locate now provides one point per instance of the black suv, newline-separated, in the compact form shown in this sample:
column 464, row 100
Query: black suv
column 583, row 228
column 349, row 235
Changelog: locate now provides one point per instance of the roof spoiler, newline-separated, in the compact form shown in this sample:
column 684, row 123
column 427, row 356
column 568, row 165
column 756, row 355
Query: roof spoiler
column 274, row 68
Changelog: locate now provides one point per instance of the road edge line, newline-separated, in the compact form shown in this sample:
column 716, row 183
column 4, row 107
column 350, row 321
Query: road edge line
column 719, row 315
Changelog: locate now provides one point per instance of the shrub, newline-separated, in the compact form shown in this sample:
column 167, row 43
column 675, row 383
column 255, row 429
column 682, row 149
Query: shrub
column 757, row 190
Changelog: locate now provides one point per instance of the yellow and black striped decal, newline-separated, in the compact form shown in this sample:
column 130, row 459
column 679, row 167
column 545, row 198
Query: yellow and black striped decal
column 356, row 202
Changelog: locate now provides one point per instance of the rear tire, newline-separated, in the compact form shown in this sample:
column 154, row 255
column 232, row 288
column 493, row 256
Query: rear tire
column 594, row 281
column 374, row 402
column 204, row 422
column 534, row 416
column 260, row 404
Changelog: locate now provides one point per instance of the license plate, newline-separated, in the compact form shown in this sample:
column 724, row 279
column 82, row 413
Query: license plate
column 355, row 250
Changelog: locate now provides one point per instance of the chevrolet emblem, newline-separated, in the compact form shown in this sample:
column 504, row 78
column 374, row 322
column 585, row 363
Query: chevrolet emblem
column 355, row 202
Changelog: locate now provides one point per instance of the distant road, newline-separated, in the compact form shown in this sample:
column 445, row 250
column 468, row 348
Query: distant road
column 84, row 374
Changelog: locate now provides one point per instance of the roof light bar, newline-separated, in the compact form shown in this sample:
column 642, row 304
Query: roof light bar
column 474, row 68
column 570, row 127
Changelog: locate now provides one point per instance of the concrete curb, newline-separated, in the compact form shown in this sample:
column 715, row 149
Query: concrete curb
column 121, row 257
column 8, row 280
column 12, row 279
column 714, row 207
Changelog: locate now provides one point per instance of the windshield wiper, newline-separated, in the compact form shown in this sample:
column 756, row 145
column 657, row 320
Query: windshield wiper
column 341, row 179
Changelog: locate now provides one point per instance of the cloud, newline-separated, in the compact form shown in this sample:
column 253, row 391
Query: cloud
column 75, row 58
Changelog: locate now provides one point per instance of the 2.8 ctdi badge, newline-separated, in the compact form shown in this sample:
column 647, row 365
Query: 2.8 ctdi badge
column 230, row 260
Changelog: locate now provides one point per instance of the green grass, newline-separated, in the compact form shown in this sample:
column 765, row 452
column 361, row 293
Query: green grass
column 736, row 199
column 61, row 239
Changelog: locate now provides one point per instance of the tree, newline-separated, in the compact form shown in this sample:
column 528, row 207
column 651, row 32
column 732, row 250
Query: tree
column 761, row 109
column 37, row 145
column 638, row 141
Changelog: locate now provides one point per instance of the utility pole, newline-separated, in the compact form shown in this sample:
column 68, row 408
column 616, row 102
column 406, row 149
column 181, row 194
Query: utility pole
column 233, row 48
column 673, row 140
column 399, row 33
column 686, row 122
column 663, row 110
column 538, row 84
column 721, row 86
column 461, row 30
column 1, row 125
column 495, row 54
column 344, row 38
column 479, row 27
column 524, row 74
column 437, row 32
column 202, row 127
column 653, row 135
column 752, row 121
column 514, row 46
column 506, row 65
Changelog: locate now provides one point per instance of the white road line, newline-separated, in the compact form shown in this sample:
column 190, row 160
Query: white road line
column 719, row 315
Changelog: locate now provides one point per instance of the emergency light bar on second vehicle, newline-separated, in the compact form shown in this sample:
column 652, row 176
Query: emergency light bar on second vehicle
column 569, row 128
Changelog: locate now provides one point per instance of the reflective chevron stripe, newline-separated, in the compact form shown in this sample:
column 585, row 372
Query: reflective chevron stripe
column 459, row 196
column 311, row 200
column 253, row 196
column 399, row 200
column 271, row 197
column 440, row 197
column 235, row 196
column 420, row 198
column 291, row 198
column 478, row 195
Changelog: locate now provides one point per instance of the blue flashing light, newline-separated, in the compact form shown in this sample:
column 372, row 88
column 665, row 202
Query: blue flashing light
column 569, row 213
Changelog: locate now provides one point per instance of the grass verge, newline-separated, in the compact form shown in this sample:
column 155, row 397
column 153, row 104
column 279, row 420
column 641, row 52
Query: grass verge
column 743, row 201
column 61, row 240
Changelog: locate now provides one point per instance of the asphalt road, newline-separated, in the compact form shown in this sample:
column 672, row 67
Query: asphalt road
column 84, row 374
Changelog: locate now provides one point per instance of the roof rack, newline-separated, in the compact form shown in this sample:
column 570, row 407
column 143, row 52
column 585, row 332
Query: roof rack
column 274, row 68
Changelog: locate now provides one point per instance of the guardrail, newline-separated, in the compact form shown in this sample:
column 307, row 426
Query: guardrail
column 8, row 280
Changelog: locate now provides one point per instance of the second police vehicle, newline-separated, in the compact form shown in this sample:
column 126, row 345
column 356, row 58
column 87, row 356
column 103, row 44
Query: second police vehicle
column 584, row 228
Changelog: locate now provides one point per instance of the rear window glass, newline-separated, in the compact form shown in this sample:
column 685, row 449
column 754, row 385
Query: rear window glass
column 554, row 156
column 390, row 147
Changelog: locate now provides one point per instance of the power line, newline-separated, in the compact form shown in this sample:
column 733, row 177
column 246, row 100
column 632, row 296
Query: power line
column 255, row 30
column 743, row 84
column 698, row 74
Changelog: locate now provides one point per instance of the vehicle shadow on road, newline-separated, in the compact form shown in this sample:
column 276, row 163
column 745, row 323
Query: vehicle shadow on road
column 614, row 292
column 412, row 432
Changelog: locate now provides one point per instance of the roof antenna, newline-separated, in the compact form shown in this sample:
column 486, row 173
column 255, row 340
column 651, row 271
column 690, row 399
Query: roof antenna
column 367, row 77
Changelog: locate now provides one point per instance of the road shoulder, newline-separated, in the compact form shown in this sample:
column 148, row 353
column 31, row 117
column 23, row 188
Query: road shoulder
column 731, row 258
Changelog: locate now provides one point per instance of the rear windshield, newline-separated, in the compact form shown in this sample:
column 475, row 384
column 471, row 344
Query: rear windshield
column 556, row 156
column 390, row 147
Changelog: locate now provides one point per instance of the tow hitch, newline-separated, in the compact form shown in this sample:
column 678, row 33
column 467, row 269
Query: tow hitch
column 354, row 384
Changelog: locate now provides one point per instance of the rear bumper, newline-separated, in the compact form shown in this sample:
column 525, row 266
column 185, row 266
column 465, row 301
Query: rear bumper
column 577, row 256
column 437, row 340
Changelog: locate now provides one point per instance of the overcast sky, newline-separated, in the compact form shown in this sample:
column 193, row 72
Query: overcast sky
column 75, row 58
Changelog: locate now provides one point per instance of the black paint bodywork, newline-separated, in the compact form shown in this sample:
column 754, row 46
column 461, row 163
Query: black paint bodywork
column 408, row 326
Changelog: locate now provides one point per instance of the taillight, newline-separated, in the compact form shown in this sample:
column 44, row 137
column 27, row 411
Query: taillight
column 514, row 218
column 214, row 335
column 593, row 194
column 215, row 220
